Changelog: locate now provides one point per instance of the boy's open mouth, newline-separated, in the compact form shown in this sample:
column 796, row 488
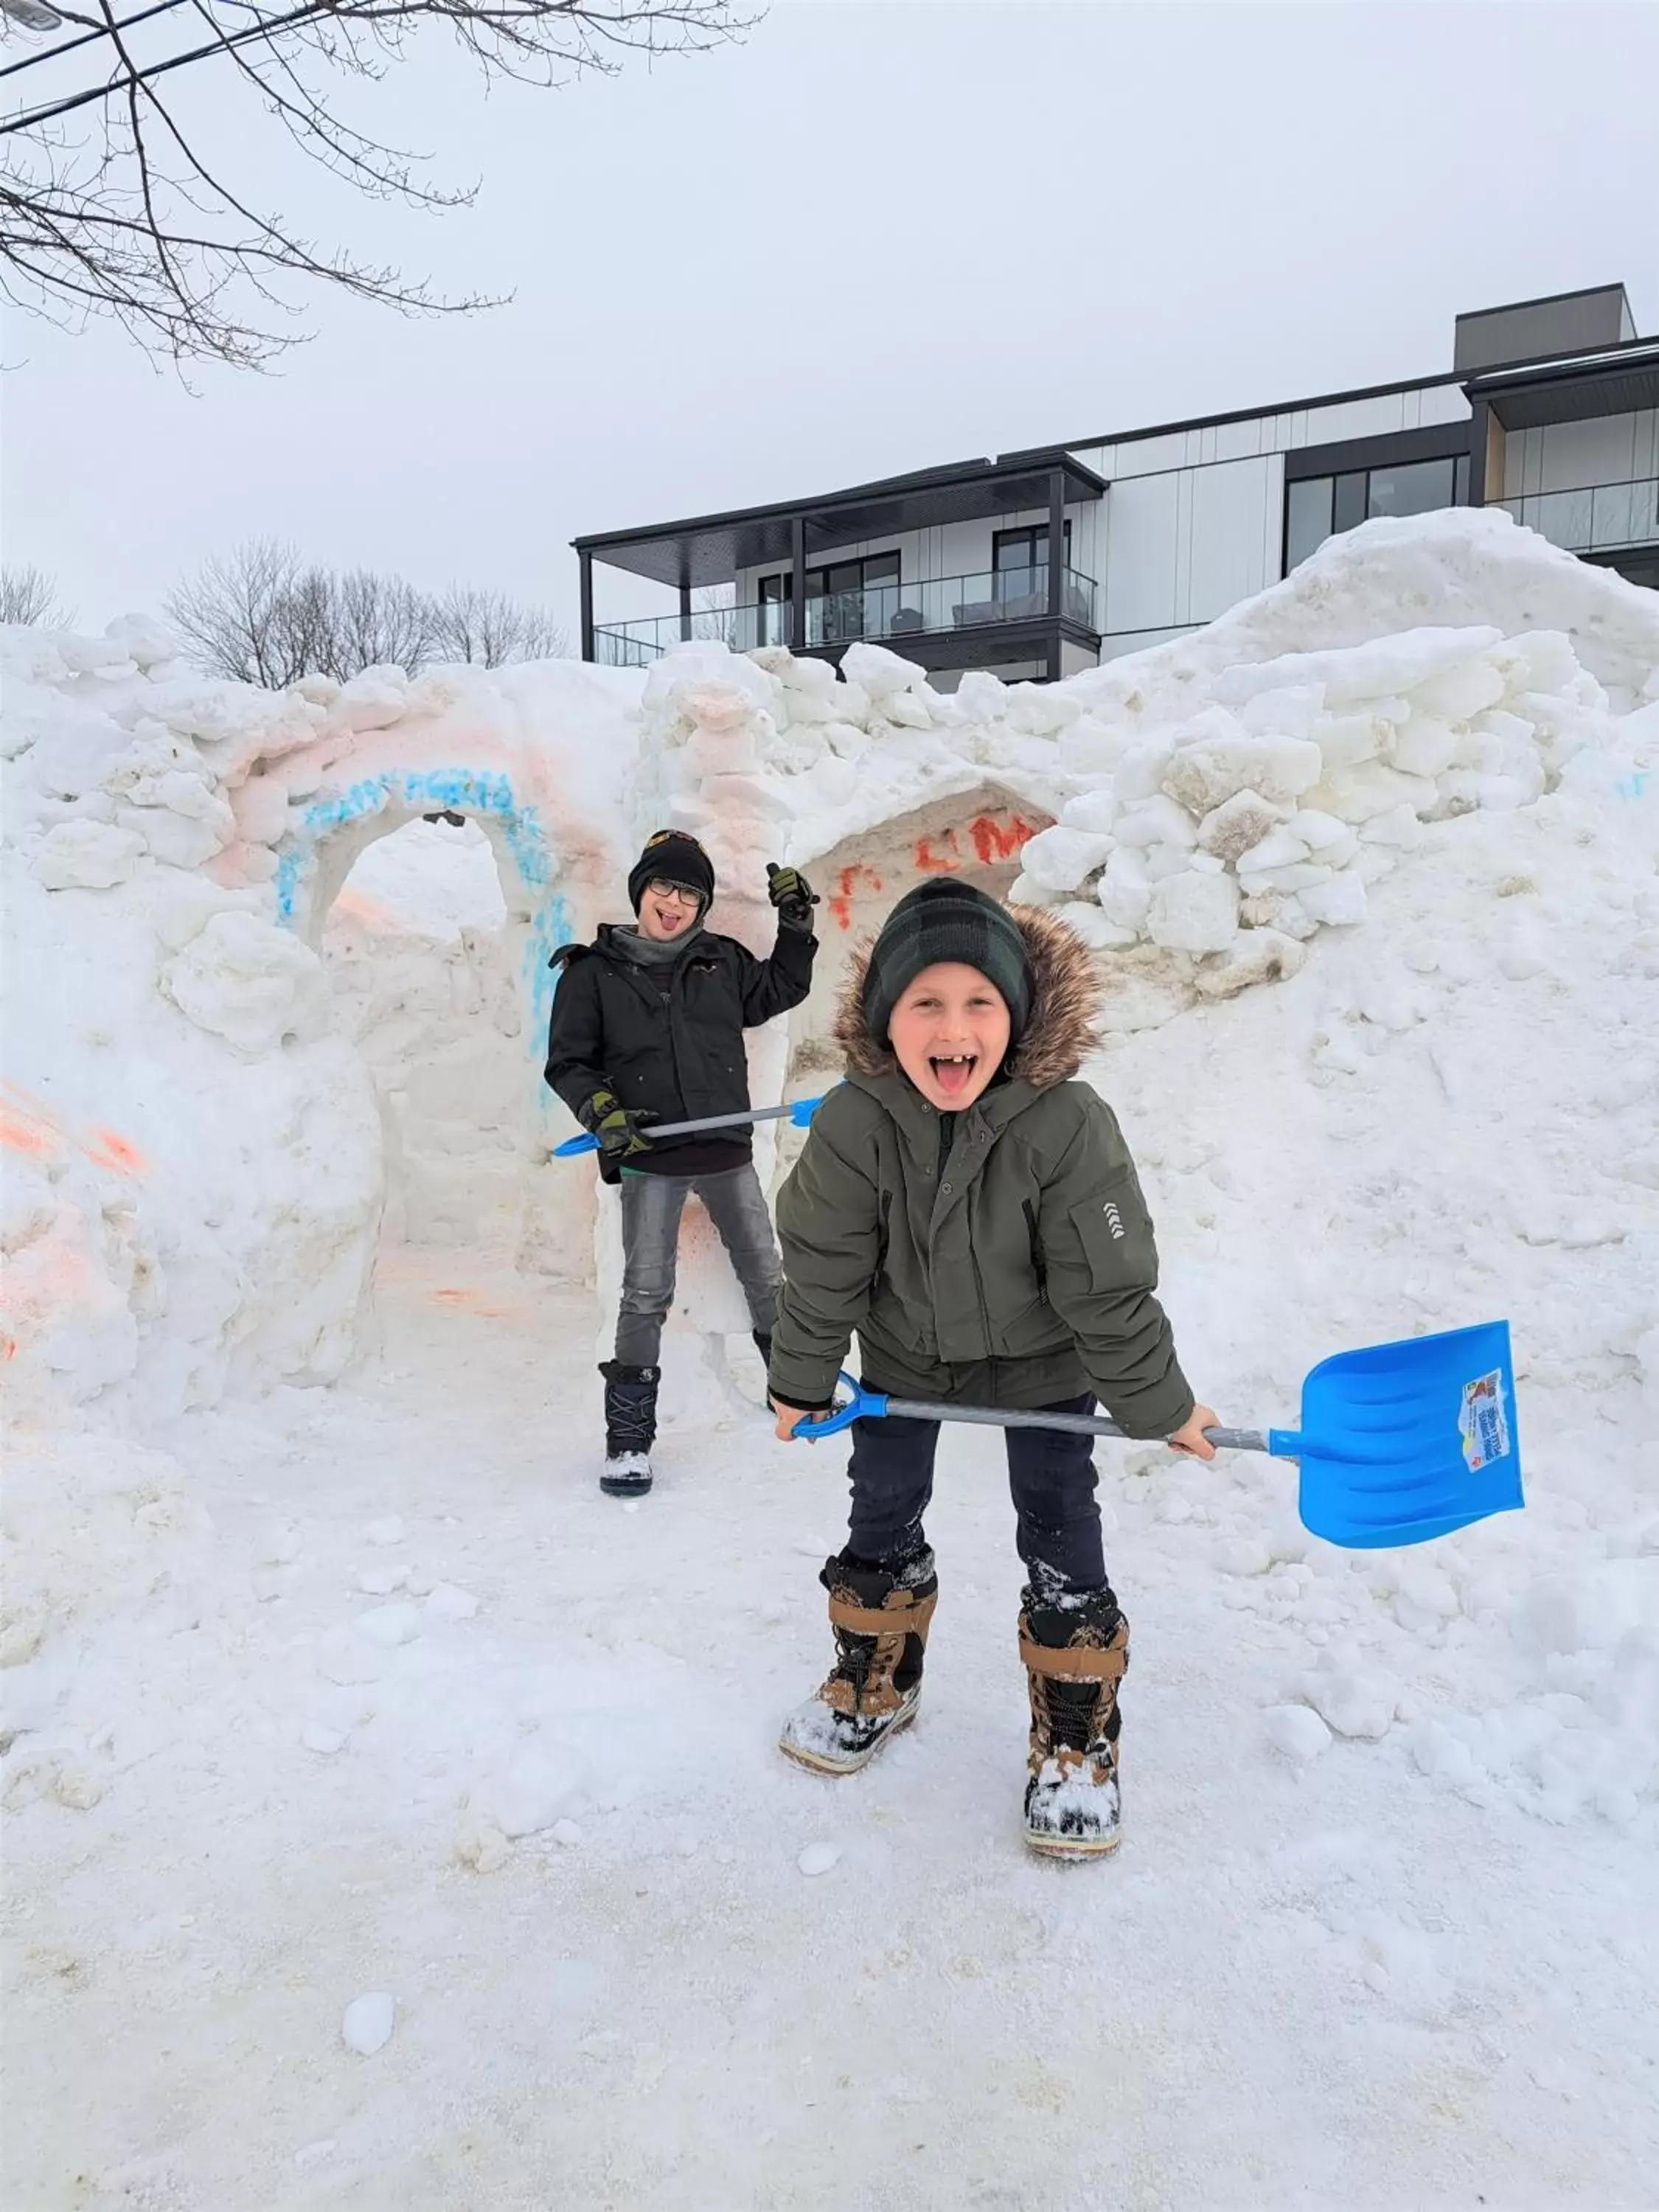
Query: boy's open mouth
column 955, row 1072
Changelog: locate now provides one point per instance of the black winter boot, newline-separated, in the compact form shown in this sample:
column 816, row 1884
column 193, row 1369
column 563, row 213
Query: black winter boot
column 879, row 1616
column 631, row 1427
column 1075, row 1654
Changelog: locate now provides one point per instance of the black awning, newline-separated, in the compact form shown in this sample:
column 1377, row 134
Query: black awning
column 710, row 548
column 1618, row 380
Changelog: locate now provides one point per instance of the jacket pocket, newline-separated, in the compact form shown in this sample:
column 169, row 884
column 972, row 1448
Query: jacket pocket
column 1115, row 1232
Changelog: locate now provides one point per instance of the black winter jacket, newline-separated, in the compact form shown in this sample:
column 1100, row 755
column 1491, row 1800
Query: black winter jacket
column 669, row 1040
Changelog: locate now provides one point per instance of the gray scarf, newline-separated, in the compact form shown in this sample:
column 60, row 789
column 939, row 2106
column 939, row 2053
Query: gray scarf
column 650, row 951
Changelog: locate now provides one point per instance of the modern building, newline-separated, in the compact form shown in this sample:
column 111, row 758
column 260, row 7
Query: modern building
column 1040, row 564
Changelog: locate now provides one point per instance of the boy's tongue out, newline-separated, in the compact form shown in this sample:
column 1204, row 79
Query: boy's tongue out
column 953, row 1076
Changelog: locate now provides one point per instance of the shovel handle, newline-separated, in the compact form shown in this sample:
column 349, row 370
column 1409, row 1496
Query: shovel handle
column 876, row 1406
column 798, row 1112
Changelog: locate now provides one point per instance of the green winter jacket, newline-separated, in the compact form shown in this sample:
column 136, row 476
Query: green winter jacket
column 1019, row 1270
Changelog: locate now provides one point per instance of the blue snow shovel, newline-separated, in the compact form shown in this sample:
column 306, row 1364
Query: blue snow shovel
column 798, row 1114
column 1399, row 1442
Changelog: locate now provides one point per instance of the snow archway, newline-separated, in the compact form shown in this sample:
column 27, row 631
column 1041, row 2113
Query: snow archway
column 337, row 825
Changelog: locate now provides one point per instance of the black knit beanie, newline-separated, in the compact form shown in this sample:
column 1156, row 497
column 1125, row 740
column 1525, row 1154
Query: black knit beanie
column 673, row 857
column 947, row 919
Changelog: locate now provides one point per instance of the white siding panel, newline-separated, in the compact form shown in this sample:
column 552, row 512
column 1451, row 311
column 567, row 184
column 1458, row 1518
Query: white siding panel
column 1140, row 457
column 1240, row 441
column 1272, row 519
column 1228, row 532
column 1355, row 418
column 1140, row 553
column 1183, row 543
column 1444, row 402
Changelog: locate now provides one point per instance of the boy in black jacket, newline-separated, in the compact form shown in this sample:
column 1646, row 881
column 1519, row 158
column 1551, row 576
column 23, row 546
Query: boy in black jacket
column 647, row 1026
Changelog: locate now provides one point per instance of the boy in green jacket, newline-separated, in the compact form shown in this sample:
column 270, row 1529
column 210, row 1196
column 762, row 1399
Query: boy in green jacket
column 975, row 1215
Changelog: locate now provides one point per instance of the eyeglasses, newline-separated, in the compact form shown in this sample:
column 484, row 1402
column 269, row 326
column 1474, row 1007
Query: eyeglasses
column 658, row 889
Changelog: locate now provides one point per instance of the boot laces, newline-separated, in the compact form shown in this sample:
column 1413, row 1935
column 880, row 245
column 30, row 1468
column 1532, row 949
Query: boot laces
column 854, row 1655
column 628, row 1417
column 1071, row 1706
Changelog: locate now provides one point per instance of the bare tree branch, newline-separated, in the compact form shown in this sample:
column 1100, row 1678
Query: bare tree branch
column 29, row 595
column 492, row 629
column 131, row 219
column 260, row 615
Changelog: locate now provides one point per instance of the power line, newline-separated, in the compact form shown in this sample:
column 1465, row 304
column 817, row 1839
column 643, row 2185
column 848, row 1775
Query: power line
column 89, row 38
column 227, row 43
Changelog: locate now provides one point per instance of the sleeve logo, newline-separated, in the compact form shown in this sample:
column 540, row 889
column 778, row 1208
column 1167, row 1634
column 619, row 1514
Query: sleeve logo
column 1114, row 1220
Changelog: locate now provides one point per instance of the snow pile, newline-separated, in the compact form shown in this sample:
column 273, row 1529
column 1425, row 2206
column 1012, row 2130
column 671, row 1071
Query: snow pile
column 202, row 1160
column 1447, row 1118
column 196, row 1157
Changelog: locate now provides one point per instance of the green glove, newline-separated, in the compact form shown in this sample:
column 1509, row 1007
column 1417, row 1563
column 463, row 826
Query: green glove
column 792, row 895
column 620, row 1129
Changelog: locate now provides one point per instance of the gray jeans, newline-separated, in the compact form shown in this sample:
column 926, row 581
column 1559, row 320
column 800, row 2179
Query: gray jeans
column 651, row 1209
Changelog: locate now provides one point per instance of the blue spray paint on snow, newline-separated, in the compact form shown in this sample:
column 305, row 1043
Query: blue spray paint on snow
column 466, row 791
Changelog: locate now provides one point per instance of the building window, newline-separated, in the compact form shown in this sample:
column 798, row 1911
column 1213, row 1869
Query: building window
column 1317, row 507
column 772, row 615
column 845, row 599
column 1019, row 562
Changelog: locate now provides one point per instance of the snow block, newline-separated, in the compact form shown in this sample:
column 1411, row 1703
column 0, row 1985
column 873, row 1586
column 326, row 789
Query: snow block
column 1340, row 901
column 1256, row 956
column 1238, row 823
column 1093, row 809
column 88, row 856
column 981, row 697
column 1156, row 821
column 1205, row 776
column 1062, row 858
column 882, row 674
column 1125, row 890
column 1094, row 926
column 251, row 983
column 1191, row 913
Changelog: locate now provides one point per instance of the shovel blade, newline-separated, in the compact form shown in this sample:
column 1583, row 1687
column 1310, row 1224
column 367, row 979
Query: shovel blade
column 1401, row 1443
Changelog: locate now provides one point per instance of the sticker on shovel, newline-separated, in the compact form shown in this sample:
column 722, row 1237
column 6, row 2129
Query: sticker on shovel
column 1482, row 1423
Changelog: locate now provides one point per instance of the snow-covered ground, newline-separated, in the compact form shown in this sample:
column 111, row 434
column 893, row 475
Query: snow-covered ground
column 331, row 1676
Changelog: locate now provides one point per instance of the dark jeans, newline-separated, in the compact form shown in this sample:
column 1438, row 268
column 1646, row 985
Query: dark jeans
column 651, row 1209
column 1051, row 1474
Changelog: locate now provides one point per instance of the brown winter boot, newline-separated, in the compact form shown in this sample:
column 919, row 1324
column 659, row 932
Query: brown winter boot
column 879, row 1616
column 1075, row 1656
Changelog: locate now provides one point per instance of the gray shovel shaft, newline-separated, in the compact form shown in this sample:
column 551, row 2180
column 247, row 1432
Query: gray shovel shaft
column 717, row 1121
column 1082, row 1425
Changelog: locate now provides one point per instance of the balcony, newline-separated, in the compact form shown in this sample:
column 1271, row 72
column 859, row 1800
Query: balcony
column 896, row 614
column 1593, row 518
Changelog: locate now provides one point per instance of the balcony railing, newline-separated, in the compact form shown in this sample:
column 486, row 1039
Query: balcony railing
column 1594, row 519
column 883, row 613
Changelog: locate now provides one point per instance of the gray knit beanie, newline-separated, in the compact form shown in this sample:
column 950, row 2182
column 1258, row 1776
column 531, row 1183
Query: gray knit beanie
column 947, row 919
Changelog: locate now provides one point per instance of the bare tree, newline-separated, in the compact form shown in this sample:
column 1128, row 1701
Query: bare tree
column 492, row 629
column 238, row 615
column 378, row 620
column 132, row 218
column 259, row 615
column 29, row 595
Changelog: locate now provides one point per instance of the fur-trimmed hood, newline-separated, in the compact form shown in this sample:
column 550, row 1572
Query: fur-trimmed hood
column 1066, row 998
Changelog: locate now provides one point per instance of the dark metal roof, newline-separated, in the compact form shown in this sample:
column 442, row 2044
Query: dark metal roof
column 708, row 549
column 1616, row 379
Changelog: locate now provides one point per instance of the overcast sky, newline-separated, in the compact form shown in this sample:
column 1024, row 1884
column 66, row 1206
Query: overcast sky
column 871, row 238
